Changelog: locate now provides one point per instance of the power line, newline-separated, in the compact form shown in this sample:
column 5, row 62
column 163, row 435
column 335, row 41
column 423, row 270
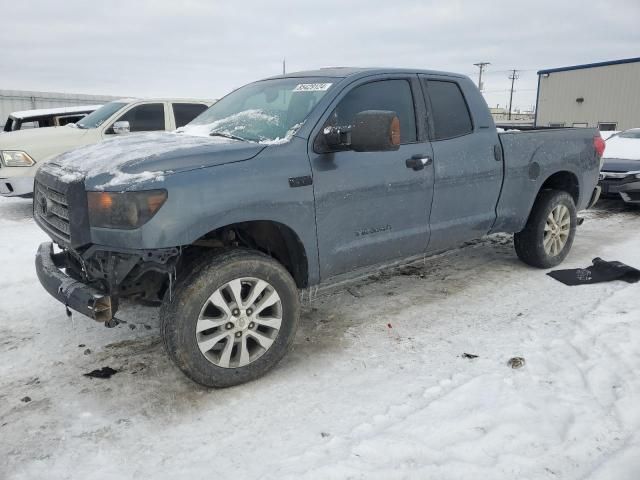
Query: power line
column 508, row 90
column 481, row 66
column 521, row 70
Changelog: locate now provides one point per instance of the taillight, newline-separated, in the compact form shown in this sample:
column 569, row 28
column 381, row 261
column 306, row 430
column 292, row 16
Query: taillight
column 599, row 145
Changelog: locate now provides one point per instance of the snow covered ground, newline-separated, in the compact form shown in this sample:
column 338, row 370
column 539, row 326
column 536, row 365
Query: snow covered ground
column 376, row 387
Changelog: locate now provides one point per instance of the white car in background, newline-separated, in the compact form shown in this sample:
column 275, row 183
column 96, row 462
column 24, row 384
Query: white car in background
column 22, row 152
column 47, row 117
column 620, row 172
column 606, row 134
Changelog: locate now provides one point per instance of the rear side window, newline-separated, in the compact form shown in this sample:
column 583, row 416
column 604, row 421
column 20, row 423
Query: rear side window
column 449, row 110
column 185, row 112
column 394, row 95
column 145, row 118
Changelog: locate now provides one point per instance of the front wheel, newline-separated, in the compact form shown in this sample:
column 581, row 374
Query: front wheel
column 548, row 235
column 231, row 319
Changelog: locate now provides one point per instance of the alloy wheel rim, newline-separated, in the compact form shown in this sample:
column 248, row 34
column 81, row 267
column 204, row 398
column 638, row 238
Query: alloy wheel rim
column 239, row 322
column 556, row 230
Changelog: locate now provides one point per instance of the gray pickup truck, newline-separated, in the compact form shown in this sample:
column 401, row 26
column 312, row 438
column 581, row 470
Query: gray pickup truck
column 291, row 184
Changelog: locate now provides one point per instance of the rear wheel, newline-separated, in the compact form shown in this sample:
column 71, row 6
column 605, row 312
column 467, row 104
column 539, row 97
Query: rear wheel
column 232, row 319
column 548, row 236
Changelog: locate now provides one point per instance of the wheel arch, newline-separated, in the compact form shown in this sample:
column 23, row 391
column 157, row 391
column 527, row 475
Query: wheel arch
column 273, row 238
column 563, row 180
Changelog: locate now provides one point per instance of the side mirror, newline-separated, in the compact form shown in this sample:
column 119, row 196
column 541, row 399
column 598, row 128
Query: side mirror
column 121, row 127
column 375, row 131
column 336, row 137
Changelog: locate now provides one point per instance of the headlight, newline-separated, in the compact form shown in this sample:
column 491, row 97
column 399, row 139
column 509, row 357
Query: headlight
column 124, row 210
column 16, row 158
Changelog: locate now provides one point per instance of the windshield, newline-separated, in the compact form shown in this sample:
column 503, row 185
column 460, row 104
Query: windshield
column 270, row 111
column 635, row 133
column 97, row 118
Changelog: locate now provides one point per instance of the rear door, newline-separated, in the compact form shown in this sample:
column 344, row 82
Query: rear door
column 184, row 112
column 370, row 207
column 467, row 168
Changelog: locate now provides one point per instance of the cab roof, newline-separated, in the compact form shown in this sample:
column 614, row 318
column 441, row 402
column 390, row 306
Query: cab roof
column 25, row 114
column 170, row 100
column 344, row 72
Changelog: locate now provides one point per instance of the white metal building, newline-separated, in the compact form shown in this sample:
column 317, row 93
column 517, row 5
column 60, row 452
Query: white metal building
column 604, row 95
column 17, row 100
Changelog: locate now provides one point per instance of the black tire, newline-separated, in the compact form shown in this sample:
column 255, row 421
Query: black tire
column 529, row 242
column 181, row 308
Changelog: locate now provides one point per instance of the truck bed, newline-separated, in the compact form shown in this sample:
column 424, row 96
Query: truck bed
column 529, row 159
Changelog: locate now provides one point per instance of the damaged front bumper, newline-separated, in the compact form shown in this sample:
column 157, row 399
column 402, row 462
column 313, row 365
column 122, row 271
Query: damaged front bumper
column 624, row 185
column 74, row 294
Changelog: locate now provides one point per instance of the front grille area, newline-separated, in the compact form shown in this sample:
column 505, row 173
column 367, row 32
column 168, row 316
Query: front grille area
column 51, row 208
column 60, row 207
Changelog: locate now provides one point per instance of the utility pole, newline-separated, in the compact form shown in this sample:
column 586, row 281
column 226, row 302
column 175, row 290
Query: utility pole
column 481, row 66
column 284, row 66
column 513, row 77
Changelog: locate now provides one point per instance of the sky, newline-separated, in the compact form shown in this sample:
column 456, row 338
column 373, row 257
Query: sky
column 204, row 49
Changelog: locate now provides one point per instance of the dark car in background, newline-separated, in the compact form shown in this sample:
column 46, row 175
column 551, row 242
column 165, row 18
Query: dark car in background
column 620, row 172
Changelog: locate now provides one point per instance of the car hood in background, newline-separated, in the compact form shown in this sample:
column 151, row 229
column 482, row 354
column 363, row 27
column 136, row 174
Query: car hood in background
column 620, row 165
column 125, row 161
column 29, row 137
column 622, row 148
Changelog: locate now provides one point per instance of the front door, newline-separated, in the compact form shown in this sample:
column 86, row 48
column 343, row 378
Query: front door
column 371, row 207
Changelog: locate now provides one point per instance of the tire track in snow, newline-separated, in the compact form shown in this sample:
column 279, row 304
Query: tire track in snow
column 342, row 447
column 343, row 450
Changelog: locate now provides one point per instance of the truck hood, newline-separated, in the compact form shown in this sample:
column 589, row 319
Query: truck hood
column 123, row 162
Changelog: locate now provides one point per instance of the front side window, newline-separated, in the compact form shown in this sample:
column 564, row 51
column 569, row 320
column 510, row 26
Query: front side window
column 101, row 115
column 449, row 110
column 392, row 95
column 185, row 112
column 266, row 111
column 145, row 118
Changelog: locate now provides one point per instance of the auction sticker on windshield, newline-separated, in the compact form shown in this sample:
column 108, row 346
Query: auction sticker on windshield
column 312, row 87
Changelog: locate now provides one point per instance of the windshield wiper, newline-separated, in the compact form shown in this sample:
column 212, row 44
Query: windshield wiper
column 227, row 135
